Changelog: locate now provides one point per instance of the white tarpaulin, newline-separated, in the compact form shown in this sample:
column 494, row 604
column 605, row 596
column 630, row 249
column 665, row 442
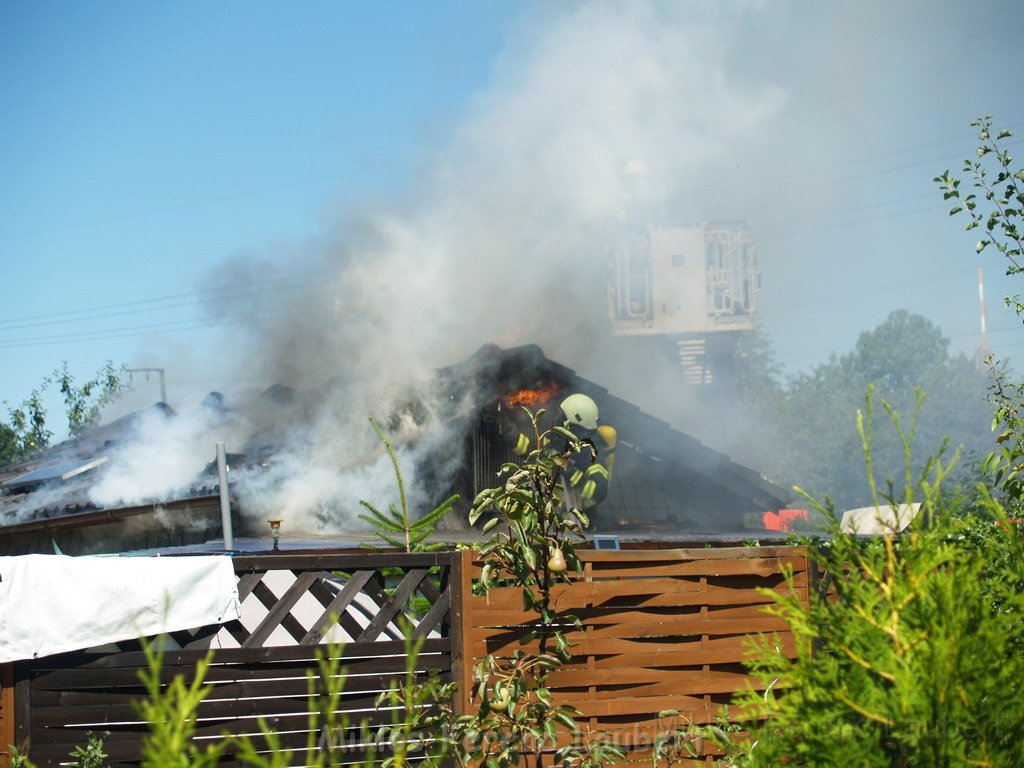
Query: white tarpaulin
column 879, row 520
column 54, row 603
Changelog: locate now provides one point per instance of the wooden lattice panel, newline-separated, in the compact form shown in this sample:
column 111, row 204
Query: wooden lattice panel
column 286, row 607
column 292, row 606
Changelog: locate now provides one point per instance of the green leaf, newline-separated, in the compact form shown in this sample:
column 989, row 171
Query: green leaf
column 520, row 534
column 568, row 434
column 550, row 732
column 564, row 719
column 529, row 556
column 484, row 496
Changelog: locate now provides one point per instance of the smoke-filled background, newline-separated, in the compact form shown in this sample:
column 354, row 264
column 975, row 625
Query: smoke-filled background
column 537, row 130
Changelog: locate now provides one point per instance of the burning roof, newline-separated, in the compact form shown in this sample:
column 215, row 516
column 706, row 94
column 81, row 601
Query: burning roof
column 664, row 481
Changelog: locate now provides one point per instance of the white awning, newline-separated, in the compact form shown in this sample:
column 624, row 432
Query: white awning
column 54, row 603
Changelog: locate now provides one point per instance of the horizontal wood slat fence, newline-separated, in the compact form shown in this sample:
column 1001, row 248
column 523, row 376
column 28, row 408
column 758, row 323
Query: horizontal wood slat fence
column 662, row 629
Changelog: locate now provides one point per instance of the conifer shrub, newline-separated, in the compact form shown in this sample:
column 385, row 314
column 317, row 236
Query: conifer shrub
column 914, row 657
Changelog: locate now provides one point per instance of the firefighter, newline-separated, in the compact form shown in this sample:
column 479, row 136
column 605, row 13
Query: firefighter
column 586, row 478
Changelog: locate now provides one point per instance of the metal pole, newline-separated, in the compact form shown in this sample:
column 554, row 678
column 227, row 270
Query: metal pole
column 225, row 500
column 160, row 371
column 983, row 350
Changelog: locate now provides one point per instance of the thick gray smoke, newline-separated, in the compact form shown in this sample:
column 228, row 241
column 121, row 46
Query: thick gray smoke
column 599, row 113
column 612, row 109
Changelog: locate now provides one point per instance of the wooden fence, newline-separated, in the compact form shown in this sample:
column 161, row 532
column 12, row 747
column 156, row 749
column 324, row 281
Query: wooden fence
column 662, row 629
column 260, row 663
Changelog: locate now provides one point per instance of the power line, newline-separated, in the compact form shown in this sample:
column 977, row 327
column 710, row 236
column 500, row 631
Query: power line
column 248, row 315
column 831, row 347
column 171, row 326
column 293, row 282
column 919, row 163
column 874, row 290
column 160, row 303
column 915, row 148
column 855, row 222
column 203, row 201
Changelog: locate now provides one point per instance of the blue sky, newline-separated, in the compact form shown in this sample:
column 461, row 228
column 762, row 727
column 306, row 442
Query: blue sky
column 144, row 143
column 153, row 154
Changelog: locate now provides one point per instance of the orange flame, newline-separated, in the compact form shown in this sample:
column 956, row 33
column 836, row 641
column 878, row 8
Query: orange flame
column 783, row 520
column 533, row 397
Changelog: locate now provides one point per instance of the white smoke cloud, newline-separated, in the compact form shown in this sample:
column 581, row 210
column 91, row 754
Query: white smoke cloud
column 164, row 454
column 504, row 239
column 318, row 487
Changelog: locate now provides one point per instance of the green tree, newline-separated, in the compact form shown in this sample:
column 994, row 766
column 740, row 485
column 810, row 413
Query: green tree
column 915, row 660
column 812, row 440
column 747, row 406
column 85, row 402
column 26, row 430
column 9, row 444
column 396, row 527
column 757, row 372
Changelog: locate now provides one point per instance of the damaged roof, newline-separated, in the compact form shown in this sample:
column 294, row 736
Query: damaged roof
column 56, row 480
column 49, row 490
column 664, row 481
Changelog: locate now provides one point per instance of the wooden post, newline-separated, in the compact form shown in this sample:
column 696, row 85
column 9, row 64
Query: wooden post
column 22, row 706
column 6, row 712
column 813, row 590
column 461, row 587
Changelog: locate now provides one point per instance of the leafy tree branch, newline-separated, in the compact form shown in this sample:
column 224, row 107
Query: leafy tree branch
column 991, row 174
column 27, row 430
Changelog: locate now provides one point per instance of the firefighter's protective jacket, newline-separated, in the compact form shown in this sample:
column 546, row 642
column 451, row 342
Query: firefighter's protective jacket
column 588, row 478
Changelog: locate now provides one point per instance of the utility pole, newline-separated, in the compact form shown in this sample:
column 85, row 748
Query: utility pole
column 147, row 371
column 983, row 350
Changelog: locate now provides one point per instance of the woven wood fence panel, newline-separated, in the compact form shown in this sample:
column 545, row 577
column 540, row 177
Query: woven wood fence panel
column 260, row 664
column 662, row 629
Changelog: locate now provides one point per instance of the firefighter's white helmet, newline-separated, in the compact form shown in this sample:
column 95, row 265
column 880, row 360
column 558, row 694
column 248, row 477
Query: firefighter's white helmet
column 580, row 409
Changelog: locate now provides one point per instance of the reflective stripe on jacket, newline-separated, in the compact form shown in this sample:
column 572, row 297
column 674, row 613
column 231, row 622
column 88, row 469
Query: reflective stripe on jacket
column 588, row 478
